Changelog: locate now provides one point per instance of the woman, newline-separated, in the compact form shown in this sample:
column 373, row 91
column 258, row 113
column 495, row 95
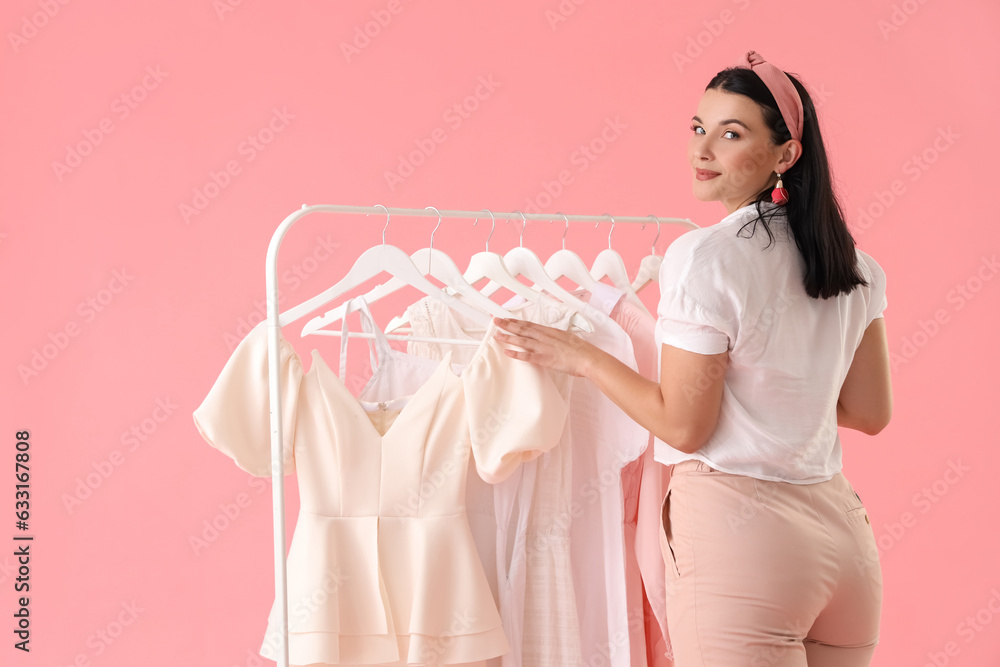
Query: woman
column 767, row 345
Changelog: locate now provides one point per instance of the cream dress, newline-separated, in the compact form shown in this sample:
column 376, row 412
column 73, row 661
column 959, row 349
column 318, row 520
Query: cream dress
column 383, row 569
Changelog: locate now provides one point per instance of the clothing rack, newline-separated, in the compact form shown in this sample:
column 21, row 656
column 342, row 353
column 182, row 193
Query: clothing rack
column 274, row 323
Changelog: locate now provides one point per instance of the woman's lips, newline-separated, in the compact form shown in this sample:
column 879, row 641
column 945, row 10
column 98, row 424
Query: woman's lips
column 704, row 174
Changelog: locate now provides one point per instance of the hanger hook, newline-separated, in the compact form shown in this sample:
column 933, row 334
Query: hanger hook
column 491, row 228
column 431, row 253
column 386, row 222
column 657, row 233
column 612, row 229
column 565, row 230
column 524, row 223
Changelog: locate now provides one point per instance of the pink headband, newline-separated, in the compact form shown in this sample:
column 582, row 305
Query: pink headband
column 781, row 87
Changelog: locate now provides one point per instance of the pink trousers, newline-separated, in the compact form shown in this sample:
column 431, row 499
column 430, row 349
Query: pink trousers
column 768, row 574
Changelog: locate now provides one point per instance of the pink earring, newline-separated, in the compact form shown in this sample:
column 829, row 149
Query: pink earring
column 779, row 195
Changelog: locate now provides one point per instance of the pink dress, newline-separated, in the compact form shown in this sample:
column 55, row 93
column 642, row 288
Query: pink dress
column 644, row 483
column 382, row 528
column 605, row 440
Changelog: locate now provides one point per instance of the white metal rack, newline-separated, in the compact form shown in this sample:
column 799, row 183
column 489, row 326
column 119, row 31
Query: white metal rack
column 274, row 324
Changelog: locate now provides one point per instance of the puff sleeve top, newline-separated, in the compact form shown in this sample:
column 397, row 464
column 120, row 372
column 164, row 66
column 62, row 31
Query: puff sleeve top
column 384, row 512
column 728, row 288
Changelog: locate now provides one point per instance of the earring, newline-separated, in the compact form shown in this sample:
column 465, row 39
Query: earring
column 779, row 195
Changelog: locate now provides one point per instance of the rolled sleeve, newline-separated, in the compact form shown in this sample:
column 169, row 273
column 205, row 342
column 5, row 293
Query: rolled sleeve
column 877, row 302
column 700, row 338
column 684, row 318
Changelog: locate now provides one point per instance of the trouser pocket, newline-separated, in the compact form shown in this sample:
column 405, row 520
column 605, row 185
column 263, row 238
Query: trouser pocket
column 866, row 559
column 666, row 538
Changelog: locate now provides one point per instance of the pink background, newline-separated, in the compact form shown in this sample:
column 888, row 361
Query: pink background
column 136, row 306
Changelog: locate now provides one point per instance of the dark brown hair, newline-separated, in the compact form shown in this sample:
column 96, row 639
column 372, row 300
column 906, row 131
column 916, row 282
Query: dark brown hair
column 814, row 214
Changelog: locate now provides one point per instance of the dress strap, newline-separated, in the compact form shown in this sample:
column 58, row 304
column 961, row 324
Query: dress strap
column 378, row 346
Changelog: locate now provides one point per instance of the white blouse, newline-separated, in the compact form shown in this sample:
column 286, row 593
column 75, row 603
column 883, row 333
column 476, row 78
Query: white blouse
column 788, row 353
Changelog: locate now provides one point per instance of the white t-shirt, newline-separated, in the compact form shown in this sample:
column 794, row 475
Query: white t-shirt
column 788, row 353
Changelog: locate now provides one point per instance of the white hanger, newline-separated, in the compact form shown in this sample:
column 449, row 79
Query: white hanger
column 440, row 266
column 371, row 263
column 522, row 261
column 649, row 267
column 567, row 263
column 491, row 265
column 482, row 265
column 610, row 263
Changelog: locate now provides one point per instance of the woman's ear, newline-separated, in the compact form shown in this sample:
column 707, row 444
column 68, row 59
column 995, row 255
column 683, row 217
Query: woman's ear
column 790, row 154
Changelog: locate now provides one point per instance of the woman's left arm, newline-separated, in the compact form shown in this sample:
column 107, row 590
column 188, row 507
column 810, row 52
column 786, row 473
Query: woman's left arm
column 682, row 410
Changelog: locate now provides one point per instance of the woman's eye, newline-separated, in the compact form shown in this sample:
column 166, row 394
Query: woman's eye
column 695, row 128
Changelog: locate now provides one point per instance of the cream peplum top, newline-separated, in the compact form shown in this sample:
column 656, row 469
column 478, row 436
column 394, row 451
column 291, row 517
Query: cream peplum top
column 382, row 567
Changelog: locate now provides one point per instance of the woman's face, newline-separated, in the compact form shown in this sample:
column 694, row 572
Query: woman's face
column 729, row 139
